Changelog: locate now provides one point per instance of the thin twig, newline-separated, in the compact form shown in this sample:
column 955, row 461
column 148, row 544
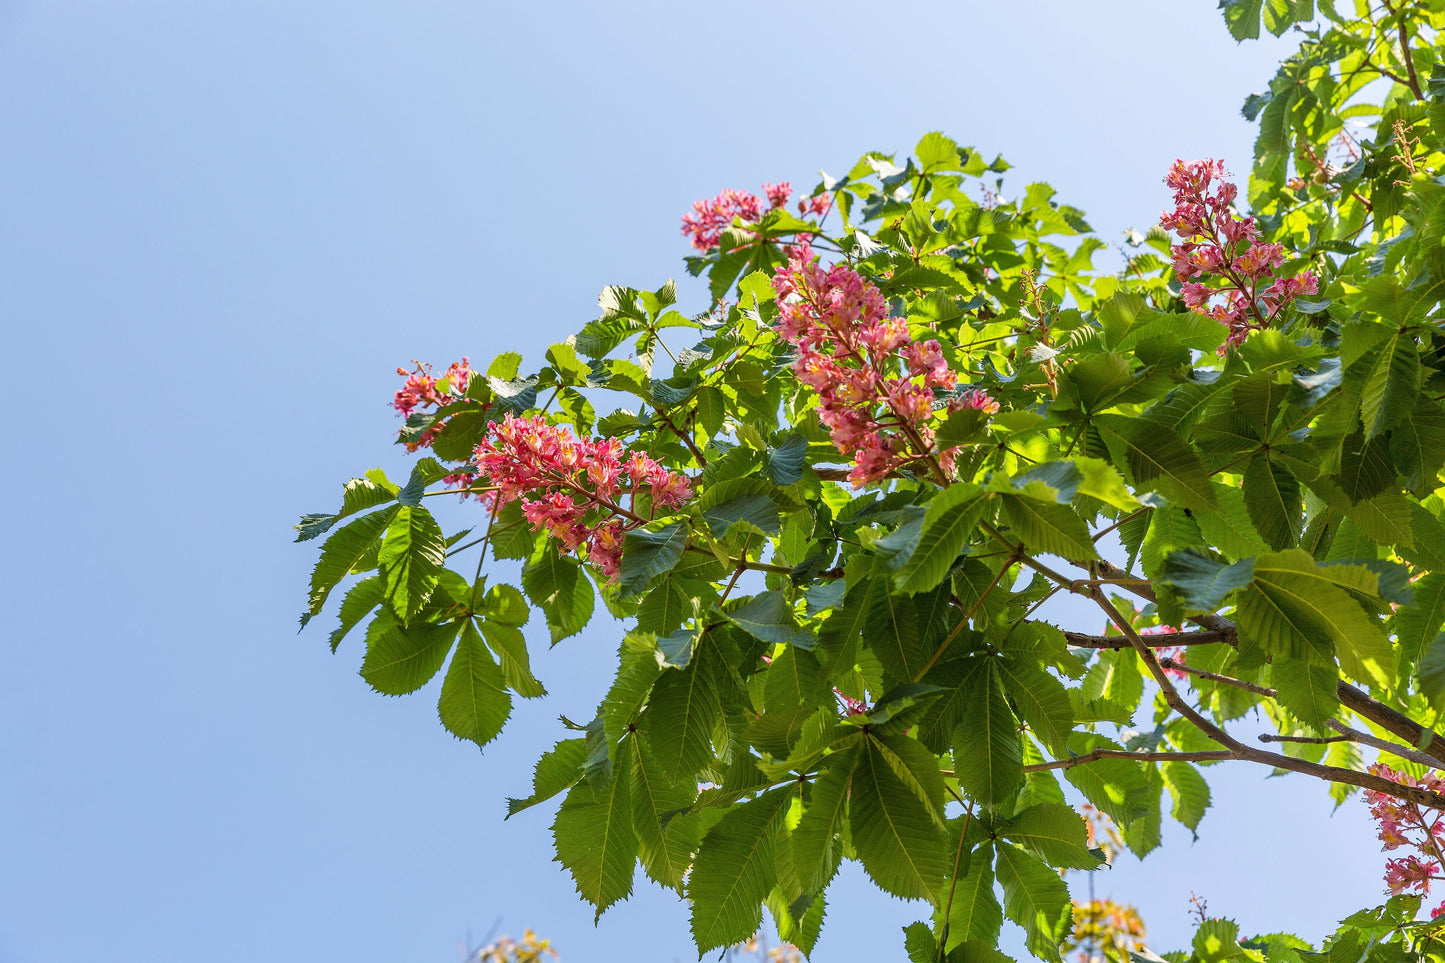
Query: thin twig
column 1215, row 755
column 1205, row 637
column 1168, row 663
column 1384, row 745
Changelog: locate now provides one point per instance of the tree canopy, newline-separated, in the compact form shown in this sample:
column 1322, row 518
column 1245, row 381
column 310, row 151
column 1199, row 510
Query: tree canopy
column 827, row 507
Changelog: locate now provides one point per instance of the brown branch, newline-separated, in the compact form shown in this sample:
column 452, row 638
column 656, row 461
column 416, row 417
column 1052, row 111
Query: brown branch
column 686, row 439
column 1094, row 755
column 1384, row 745
column 1205, row 637
column 1396, row 723
column 1167, row 663
column 1413, row 82
column 1306, row 740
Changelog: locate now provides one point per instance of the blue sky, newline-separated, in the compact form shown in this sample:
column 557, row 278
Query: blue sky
column 225, row 225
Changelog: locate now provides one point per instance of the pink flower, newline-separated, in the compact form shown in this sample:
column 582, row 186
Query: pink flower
column 778, row 194
column 875, row 385
column 818, row 204
column 977, row 399
column 1221, row 247
column 573, row 488
column 1410, row 873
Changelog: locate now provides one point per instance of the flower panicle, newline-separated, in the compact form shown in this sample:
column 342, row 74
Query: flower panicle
column 573, row 488
column 705, row 225
column 875, row 384
column 1220, row 255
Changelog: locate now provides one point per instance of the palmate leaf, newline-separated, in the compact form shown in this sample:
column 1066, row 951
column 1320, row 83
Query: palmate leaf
column 411, row 559
column 900, row 845
column 679, row 720
column 987, row 756
column 646, row 555
column 663, row 839
column 793, row 681
column 474, row 703
column 559, row 587
column 814, row 841
column 734, row 871
column 1392, row 384
column 1056, row 834
column 1274, row 500
column 1189, row 792
column 403, row 658
column 974, row 912
column 769, row 617
column 1228, row 528
column 1049, row 527
column 1418, row 445
column 558, row 769
column 594, row 835
column 1203, row 583
column 1309, row 691
column 1297, row 609
column 1036, row 899
column 1158, row 458
column 1417, row 624
column 892, row 631
column 343, row 550
column 510, row 646
column 1041, row 701
column 360, row 601
column 951, row 519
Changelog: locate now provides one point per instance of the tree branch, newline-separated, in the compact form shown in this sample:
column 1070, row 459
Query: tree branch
column 1206, row 637
column 1167, row 663
column 1094, row 755
column 1384, row 745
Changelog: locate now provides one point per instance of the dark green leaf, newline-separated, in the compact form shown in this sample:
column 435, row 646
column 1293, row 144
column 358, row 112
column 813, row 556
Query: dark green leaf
column 734, row 871
column 474, row 705
column 411, row 559
column 594, row 835
column 400, row 658
column 646, row 555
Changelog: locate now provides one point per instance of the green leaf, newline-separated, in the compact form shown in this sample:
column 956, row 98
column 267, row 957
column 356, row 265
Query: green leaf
column 1417, row 624
column 558, row 769
column 664, row 844
column 1202, row 583
column 769, row 617
column 646, row 555
column 401, row 658
column 680, row 716
column 558, row 586
column 974, row 913
column 1041, row 700
column 757, row 510
column 1432, row 673
column 987, row 756
column 959, row 428
column 1036, row 899
column 1418, row 445
column 1392, row 384
column 1228, row 527
column 1310, row 692
column 898, row 842
column 474, row 705
column 814, row 839
column 1159, row 458
column 1049, row 527
column 1056, row 834
column 594, row 835
column 784, row 464
column 734, row 871
column 1275, row 502
column 511, row 648
column 1294, row 608
column 951, row 519
column 1189, row 791
column 793, row 681
column 1365, row 467
column 343, row 550
column 411, row 560
column 893, row 634
column 360, row 601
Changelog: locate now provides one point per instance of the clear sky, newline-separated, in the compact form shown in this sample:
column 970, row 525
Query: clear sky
column 224, row 225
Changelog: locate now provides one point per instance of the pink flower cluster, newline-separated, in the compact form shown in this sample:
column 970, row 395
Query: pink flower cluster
column 875, row 384
column 1403, row 823
column 1219, row 246
column 423, row 390
column 709, row 219
column 572, row 488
